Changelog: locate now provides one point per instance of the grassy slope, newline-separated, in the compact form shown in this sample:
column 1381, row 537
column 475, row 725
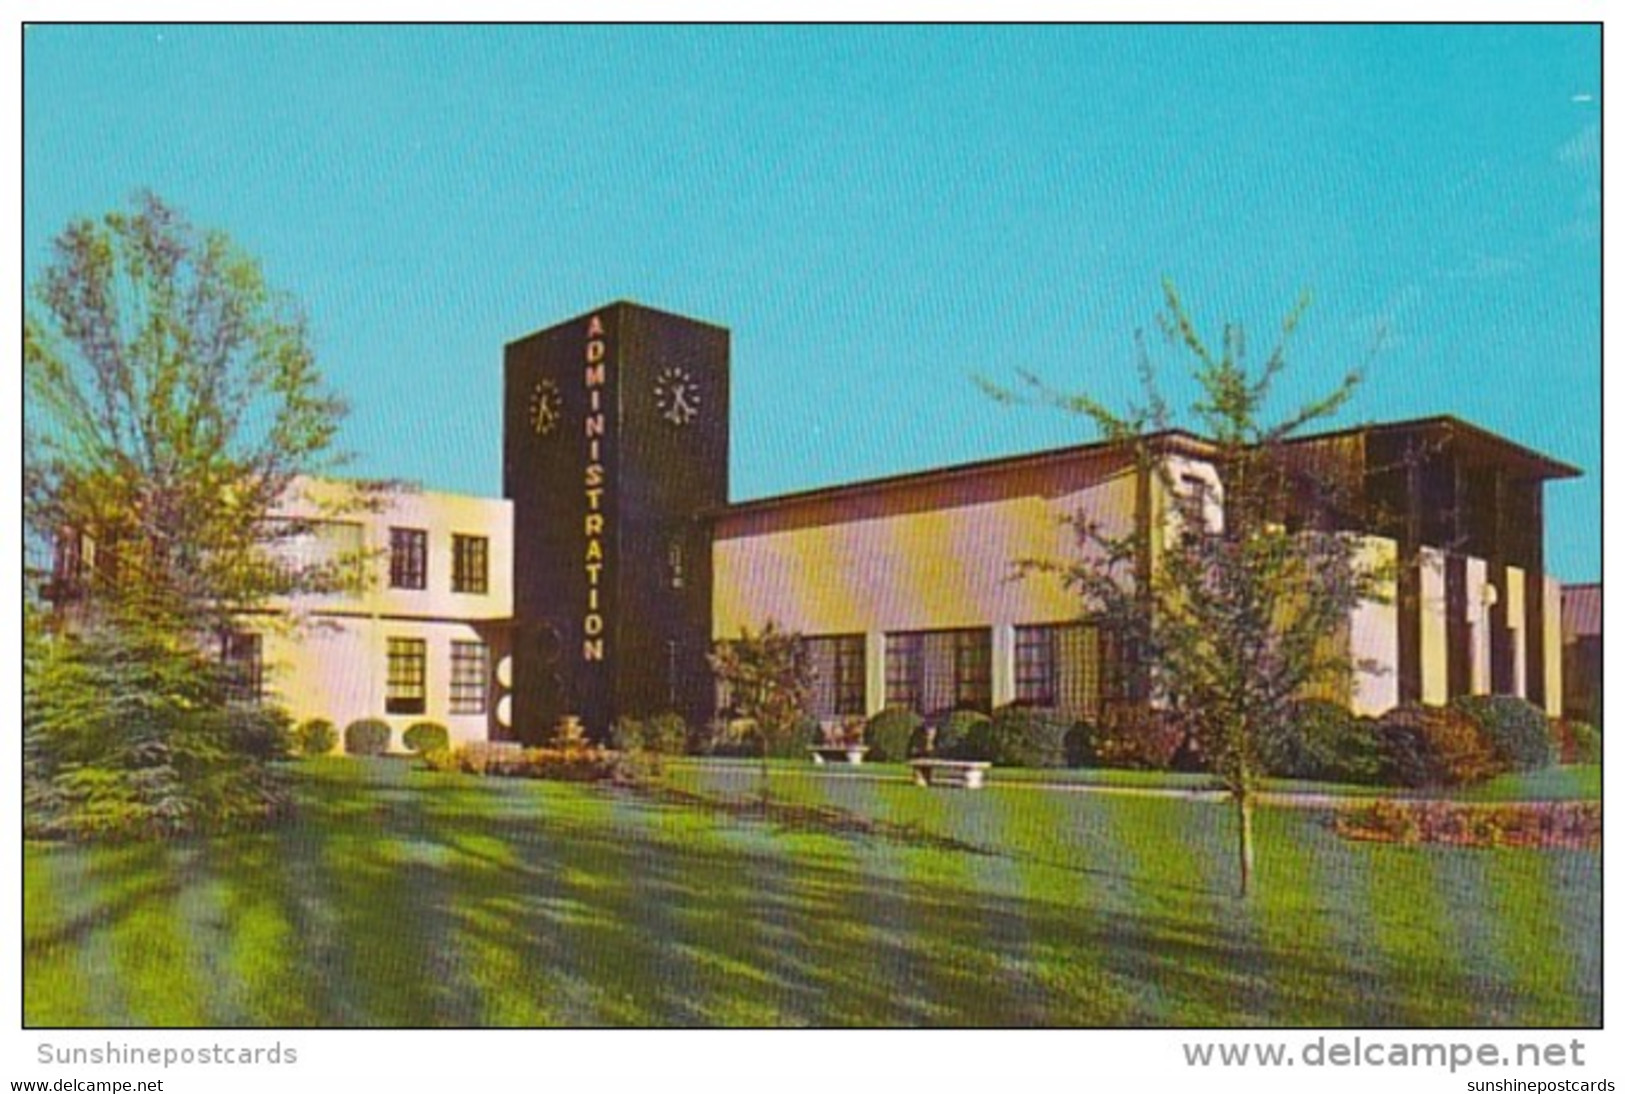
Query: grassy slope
column 407, row 898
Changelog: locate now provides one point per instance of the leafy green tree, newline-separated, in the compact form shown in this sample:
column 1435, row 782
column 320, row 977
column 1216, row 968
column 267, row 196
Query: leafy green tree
column 768, row 679
column 172, row 403
column 173, row 399
column 1239, row 613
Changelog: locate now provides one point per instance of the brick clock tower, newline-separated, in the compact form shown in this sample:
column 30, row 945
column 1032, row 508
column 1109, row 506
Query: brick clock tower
column 615, row 443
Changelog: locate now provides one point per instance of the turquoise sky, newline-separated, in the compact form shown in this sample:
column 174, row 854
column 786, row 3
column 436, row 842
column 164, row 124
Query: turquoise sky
column 877, row 214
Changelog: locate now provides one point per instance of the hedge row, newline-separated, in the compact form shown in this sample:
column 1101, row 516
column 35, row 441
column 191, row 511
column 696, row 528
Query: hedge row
column 1471, row 739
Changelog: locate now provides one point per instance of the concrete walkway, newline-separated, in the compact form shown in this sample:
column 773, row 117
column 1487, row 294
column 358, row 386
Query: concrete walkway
column 1286, row 799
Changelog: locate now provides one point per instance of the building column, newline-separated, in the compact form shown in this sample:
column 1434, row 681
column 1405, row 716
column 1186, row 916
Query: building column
column 1479, row 595
column 874, row 672
column 1004, row 665
column 1434, row 640
column 1552, row 622
column 1517, row 625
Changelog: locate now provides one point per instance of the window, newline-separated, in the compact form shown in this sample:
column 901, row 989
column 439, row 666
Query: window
column 322, row 556
column 242, row 655
column 905, row 665
column 838, row 675
column 468, row 675
column 1035, row 666
column 973, row 669
column 1059, row 665
column 935, row 671
column 468, row 563
column 407, row 685
column 1122, row 676
column 408, row 558
column 851, row 671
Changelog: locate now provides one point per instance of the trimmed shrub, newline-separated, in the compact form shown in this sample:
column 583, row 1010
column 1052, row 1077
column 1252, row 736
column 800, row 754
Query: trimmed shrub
column 1325, row 741
column 262, row 732
column 643, row 745
column 627, row 734
column 1028, row 737
column 1080, row 745
column 1433, row 746
column 440, row 759
column 666, row 734
column 1138, row 737
column 1576, row 742
column 366, row 737
column 890, row 732
column 317, row 737
column 1516, row 730
column 421, row 737
column 964, row 735
column 794, row 744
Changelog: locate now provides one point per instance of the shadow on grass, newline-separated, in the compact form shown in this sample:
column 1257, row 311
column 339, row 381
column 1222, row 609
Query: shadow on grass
column 416, row 900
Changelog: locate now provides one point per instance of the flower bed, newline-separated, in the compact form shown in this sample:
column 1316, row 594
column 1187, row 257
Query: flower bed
column 1538, row 824
column 571, row 763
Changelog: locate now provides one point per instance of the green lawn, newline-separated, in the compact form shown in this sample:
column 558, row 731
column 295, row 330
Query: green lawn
column 402, row 897
column 1579, row 783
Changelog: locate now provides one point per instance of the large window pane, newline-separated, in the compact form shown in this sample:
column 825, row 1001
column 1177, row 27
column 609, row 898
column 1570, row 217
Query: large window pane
column 406, row 688
column 408, row 558
column 469, row 671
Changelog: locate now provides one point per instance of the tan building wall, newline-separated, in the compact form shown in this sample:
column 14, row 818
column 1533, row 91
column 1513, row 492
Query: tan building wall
column 327, row 655
column 920, row 555
column 441, row 516
column 337, row 669
column 917, row 556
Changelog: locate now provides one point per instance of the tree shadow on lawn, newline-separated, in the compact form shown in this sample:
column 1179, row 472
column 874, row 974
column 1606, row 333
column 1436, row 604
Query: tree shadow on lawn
column 821, row 943
column 136, row 875
column 786, row 817
column 633, row 927
column 451, row 902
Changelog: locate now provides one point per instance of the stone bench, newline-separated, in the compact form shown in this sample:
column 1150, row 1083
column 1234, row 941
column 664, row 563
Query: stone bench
column 970, row 774
column 852, row 754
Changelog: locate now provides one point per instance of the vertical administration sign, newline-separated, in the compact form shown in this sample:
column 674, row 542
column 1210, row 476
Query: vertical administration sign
column 597, row 489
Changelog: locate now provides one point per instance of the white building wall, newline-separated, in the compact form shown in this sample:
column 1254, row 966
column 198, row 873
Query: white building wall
column 327, row 656
column 337, row 669
column 1374, row 635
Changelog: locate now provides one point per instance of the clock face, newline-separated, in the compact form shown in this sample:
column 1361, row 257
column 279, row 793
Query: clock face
column 677, row 396
column 546, row 407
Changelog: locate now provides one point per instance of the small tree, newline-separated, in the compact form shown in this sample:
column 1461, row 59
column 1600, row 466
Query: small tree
column 1238, row 616
column 767, row 678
